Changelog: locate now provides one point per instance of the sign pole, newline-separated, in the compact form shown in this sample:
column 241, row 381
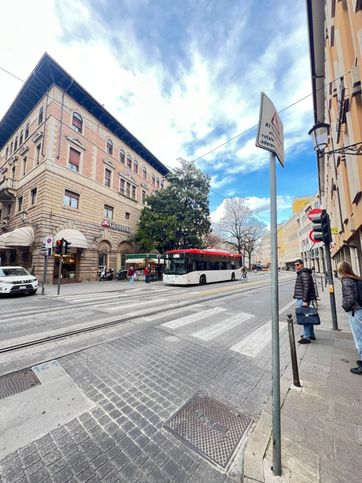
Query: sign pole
column 275, row 320
column 59, row 273
column 332, row 299
column 45, row 272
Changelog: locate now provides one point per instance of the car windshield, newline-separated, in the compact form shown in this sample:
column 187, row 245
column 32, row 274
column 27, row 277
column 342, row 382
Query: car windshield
column 13, row 272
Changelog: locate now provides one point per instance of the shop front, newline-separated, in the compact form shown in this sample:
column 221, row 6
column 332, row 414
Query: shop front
column 70, row 269
column 138, row 261
column 16, row 247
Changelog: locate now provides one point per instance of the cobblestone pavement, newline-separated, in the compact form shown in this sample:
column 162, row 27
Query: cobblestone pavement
column 138, row 381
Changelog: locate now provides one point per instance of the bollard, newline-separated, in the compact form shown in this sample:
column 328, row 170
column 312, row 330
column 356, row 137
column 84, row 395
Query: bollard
column 293, row 352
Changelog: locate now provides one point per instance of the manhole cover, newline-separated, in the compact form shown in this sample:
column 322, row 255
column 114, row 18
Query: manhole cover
column 16, row 382
column 209, row 427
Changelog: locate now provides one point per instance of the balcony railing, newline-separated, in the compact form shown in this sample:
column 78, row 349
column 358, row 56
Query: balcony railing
column 8, row 189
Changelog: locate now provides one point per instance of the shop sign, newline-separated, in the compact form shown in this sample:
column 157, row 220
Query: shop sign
column 115, row 226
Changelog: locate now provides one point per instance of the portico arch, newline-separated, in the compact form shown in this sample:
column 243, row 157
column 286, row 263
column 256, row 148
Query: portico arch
column 123, row 249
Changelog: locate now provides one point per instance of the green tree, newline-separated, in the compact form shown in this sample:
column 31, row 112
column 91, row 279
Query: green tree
column 178, row 215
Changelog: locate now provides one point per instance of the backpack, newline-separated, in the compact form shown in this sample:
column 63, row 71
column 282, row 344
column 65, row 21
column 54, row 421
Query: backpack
column 359, row 292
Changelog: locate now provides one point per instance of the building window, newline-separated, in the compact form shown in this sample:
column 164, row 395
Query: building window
column 109, row 147
column 41, row 116
column 13, row 169
column 33, row 194
column 129, row 162
column 143, row 197
column 107, row 177
column 7, row 152
column 127, row 215
column 121, row 156
column 24, row 166
column 71, row 199
column 21, row 138
column 161, row 185
column 144, row 172
column 135, row 165
column 153, row 180
column 74, row 158
column 16, row 144
column 37, row 153
column 20, row 203
column 108, row 212
column 11, row 148
column 157, row 183
column 133, row 192
column 77, row 122
column 122, row 185
column 128, row 190
column 27, row 131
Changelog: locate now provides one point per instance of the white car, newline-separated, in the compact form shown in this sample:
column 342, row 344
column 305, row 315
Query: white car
column 17, row 280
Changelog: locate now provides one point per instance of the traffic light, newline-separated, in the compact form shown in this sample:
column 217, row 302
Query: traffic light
column 59, row 247
column 321, row 231
column 66, row 245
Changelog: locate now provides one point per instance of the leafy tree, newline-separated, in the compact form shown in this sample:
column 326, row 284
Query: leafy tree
column 178, row 215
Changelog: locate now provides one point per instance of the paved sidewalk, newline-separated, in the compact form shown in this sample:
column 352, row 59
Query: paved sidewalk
column 321, row 423
column 96, row 287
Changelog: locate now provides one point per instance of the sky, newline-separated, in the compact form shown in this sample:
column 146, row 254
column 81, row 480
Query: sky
column 184, row 77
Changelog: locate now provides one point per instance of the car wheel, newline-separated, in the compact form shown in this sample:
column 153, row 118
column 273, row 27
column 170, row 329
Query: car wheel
column 233, row 277
column 202, row 280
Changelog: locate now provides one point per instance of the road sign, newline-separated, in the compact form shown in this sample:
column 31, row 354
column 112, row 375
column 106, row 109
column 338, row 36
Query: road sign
column 270, row 130
column 48, row 241
column 334, row 230
column 313, row 214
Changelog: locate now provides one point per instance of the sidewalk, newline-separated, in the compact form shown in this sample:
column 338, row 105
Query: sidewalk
column 321, row 423
column 95, row 287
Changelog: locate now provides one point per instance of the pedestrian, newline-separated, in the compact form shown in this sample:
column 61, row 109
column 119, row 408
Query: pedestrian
column 352, row 304
column 304, row 293
column 147, row 274
column 131, row 275
column 244, row 272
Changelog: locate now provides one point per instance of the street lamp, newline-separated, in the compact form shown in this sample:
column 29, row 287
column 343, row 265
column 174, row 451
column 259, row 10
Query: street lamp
column 320, row 132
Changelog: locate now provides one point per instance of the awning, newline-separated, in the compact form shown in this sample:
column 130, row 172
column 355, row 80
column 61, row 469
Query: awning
column 21, row 237
column 75, row 237
column 142, row 260
column 3, row 237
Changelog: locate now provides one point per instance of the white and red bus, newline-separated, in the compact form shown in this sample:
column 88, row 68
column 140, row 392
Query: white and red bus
column 197, row 267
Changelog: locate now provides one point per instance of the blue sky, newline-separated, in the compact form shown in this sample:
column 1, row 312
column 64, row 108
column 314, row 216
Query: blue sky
column 184, row 77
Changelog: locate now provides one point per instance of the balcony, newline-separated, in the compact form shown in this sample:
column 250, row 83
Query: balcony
column 8, row 189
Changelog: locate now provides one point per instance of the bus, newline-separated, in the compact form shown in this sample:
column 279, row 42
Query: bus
column 198, row 267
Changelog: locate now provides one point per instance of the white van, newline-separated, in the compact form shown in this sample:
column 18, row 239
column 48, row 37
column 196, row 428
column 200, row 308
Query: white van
column 17, row 280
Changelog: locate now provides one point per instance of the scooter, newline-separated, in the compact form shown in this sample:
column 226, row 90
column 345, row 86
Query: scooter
column 122, row 275
column 104, row 275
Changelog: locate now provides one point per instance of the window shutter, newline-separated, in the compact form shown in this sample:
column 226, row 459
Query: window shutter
column 74, row 156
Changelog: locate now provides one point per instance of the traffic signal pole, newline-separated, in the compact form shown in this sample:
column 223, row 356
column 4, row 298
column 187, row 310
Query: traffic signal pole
column 59, row 273
column 332, row 298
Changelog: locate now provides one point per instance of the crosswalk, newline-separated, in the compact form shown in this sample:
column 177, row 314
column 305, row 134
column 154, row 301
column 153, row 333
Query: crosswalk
column 241, row 330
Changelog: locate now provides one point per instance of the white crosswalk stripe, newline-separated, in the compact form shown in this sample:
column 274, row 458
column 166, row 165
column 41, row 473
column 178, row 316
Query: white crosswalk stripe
column 215, row 330
column 189, row 319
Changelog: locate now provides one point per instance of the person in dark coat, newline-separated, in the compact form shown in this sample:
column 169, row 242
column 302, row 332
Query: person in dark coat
column 352, row 306
column 304, row 293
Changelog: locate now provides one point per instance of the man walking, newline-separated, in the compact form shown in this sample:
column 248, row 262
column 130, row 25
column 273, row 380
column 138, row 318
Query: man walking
column 304, row 293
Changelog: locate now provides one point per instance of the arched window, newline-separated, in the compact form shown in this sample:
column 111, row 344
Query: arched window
column 129, row 162
column 135, row 165
column 144, row 172
column 11, row 148
column 41, row 115
column 16, row 144
column 21, row 138
column 7, row 152
column 27, row 131
column 121, row 156
column 77, row 122
column 109, row 147
column 157, row 182
column 153, row 180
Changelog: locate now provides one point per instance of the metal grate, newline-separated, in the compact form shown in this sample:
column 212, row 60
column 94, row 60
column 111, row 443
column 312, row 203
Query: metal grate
column 209, row 427
column 16, row 382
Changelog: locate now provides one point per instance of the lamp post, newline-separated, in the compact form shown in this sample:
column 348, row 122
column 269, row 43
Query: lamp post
column 320, row 133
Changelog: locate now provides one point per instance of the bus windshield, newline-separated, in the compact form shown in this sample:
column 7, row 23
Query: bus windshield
column 175, row 264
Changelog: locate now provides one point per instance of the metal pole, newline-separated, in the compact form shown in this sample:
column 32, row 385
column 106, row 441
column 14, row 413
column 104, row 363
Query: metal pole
column 332, row 298
column 59, row 273
column 277, row 469
column 45, row 272
column 293, row 352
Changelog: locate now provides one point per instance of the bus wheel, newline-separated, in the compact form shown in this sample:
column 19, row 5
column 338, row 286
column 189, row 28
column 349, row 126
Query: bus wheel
column 233, row 277
column 202, row 280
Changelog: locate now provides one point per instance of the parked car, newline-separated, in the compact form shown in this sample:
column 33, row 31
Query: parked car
column 17, row 280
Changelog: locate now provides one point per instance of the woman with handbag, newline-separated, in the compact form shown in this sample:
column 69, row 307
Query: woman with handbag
column 304, row 293
column 353, row 306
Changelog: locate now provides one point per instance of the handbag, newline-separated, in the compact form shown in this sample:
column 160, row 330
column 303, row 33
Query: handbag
column 307, row 315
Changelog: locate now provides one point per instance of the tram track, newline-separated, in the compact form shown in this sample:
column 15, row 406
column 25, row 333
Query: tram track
column 127, row 319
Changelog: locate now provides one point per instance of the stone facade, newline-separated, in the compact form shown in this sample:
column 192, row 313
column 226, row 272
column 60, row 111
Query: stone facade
column 63, row 168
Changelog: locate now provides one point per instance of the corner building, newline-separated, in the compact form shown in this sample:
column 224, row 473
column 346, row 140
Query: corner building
column 69, row 169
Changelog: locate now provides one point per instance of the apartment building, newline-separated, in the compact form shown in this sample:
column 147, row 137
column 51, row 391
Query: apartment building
column 69, row 169
column 335, row 38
